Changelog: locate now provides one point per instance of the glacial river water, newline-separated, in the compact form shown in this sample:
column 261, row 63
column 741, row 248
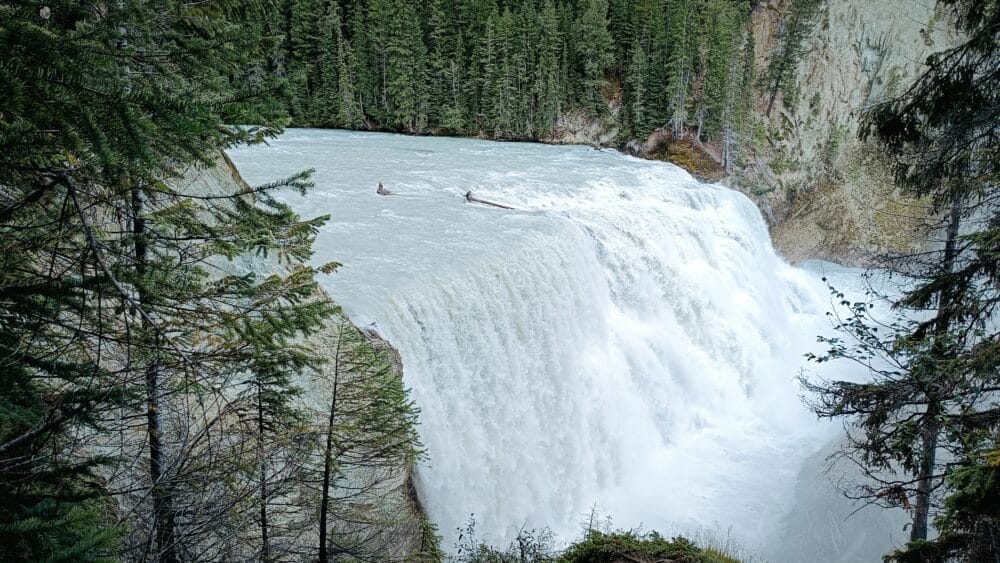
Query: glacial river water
column 625, row 337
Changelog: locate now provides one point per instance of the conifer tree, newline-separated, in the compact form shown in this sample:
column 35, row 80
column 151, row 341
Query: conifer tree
column 269, row 404
column 932, row 407
column 512, row 69
column 658, row 47
column 446, row 68
column 500, row 93
column 789, row 49
column 368, row 428
column 546, row 90
column 303, row 61
column 622, row 28
column 484, row 72
column 113, row 276
column 349, row 111
column 736, row 107
column 722, row 57
column 593, row 50
column 635, row 82
column 678, row 63
column 326, row 106
column 405, row 55
column 522, row 62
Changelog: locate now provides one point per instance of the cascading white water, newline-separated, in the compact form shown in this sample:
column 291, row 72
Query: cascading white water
column 627, row 336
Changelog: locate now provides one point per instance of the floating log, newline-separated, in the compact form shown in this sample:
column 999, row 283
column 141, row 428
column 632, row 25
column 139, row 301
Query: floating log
column 470, row 199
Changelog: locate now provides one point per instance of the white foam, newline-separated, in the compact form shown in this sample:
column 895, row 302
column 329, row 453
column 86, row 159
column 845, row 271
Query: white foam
column 627, row 336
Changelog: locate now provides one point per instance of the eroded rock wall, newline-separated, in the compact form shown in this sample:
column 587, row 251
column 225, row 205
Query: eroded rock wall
column 826, row 193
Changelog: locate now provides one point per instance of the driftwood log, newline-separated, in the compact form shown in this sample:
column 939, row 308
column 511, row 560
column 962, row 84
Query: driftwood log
column 470, row 199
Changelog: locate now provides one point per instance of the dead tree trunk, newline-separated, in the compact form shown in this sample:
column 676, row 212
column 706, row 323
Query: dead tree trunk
column 469, row 198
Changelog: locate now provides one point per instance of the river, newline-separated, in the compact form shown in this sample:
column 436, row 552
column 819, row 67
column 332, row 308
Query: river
column 626, row 338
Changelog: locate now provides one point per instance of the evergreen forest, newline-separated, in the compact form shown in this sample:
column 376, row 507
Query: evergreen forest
column 519, row 69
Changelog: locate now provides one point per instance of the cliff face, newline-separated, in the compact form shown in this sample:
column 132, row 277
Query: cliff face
column 826, row 193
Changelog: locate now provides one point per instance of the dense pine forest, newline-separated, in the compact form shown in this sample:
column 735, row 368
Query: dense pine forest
column 518, row 69
column 159, row 331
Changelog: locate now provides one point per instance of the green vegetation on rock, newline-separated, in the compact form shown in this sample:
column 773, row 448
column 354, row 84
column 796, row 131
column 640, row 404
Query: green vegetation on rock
column 536, row 546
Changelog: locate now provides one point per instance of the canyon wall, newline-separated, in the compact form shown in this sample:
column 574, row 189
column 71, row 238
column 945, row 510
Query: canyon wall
column 825, row 193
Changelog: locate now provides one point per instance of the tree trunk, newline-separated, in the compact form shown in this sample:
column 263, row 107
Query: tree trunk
column 946, row 300
column 163, row 544
column 921, row 507
column 324, row 504
column 930, row 428
column 264, row 539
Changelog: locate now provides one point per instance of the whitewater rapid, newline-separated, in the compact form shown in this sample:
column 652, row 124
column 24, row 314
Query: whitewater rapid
column 626, row 337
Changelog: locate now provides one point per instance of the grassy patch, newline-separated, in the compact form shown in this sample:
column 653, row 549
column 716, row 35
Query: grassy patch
column 599, row 547
column 535, row 546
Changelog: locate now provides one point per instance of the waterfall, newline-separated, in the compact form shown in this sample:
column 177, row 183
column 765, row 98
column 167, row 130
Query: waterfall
column 626, row 336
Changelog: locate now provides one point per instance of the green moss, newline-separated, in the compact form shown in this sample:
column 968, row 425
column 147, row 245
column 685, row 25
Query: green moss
column 782, row 163
column 893, row 84
column 690, row 157
column 758, row 135
column 814, row 104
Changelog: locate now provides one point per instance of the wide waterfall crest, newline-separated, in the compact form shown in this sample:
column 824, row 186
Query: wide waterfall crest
column 627, row 336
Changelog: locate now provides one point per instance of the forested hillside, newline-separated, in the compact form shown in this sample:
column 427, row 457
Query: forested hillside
column 513, row 69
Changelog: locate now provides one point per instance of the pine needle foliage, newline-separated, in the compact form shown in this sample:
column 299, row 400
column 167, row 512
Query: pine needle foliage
column 925, row 427
column 135, row 326
column 519, row 70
